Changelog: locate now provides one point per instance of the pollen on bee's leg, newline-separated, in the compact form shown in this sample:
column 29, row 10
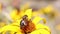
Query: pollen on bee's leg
column 22, row 31
column 30, row 28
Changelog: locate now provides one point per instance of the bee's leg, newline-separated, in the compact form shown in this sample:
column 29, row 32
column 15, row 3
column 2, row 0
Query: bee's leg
column 25, row 32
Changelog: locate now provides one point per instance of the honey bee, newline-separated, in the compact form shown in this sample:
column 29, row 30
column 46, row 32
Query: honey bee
column 26, row 25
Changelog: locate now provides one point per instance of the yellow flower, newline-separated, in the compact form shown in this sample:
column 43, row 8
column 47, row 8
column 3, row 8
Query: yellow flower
column 15, row 27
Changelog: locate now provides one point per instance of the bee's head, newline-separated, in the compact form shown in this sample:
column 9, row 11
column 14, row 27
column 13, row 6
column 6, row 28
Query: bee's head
column 24, row 21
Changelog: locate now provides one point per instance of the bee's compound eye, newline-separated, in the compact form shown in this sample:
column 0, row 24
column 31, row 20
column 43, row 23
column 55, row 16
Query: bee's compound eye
column 22, row 23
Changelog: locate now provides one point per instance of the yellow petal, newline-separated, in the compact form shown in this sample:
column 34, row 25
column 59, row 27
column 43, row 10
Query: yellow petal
column 13, row 14
column 38, row 26
column 28, row 12
column 12, row 28
column 36, row 20
column 40, row 31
